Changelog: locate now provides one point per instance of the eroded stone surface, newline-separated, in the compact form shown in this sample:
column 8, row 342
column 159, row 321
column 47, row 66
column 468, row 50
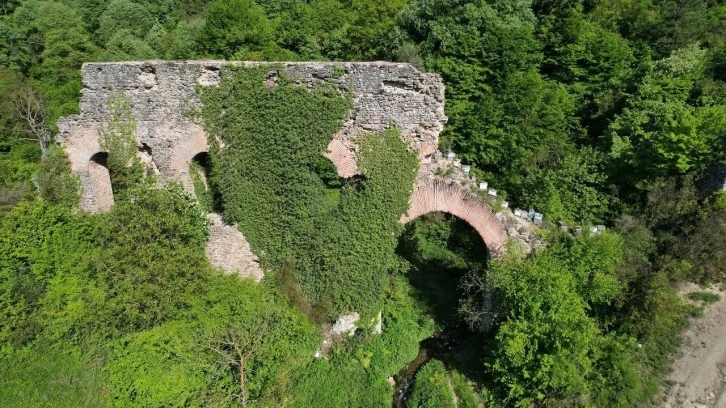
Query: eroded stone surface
column 228, row 249
column 345, row 324
column 162, row 96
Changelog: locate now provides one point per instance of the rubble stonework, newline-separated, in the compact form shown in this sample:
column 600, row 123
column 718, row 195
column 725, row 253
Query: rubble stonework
column 162, row 94
column 228, row 249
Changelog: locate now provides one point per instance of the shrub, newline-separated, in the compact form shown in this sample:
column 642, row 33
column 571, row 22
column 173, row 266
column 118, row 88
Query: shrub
column 432, row 388
column 56, row 183
column 706, row 297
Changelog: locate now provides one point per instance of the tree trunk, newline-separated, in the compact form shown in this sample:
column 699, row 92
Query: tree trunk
column 243, row 390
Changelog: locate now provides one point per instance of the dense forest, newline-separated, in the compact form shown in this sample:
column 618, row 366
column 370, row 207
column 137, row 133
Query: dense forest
column 605, row 112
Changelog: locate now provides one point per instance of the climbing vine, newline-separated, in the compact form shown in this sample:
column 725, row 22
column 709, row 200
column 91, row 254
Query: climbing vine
column 357, row 241
column 118, row 140
column 270, row 181
column 201, row 189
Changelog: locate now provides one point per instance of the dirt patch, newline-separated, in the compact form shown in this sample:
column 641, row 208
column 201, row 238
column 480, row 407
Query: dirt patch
column 698, row 377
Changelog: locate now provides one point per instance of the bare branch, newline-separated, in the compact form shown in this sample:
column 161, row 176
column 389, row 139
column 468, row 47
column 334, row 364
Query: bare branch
column 30, row 107
column 236, row 349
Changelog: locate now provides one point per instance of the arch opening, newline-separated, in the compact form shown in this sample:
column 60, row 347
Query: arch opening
column 442, row 250
column 183, row 155
column 200, row 172
column 202, row 166
column 101, row 159
column 444, row 253
column 437, row 195
column 98, row 191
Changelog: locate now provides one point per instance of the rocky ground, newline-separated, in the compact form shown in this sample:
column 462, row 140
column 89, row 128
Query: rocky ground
column 698, row 377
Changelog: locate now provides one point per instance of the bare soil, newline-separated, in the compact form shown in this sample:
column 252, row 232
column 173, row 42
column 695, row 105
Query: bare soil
column 698, row 377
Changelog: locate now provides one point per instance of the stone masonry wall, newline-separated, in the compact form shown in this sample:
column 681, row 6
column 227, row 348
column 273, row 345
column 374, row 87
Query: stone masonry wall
column 228, row 249
column 163, row 93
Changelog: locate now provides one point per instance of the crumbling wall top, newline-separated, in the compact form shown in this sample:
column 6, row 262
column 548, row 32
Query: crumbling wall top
column 163, row 93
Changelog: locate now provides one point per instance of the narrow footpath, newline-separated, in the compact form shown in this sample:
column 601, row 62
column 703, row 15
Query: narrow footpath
column 698, row 379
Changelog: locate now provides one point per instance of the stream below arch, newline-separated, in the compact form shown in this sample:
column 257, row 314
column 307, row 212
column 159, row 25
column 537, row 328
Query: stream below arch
column 441, row 249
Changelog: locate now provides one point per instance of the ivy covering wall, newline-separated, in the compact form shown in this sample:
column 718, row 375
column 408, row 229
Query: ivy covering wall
column 270, row 182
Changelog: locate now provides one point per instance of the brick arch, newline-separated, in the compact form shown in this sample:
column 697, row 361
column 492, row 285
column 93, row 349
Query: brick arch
column 182, row 155
column 100, row 182
column 88, row 161
column 342, row 157
column 437, row 195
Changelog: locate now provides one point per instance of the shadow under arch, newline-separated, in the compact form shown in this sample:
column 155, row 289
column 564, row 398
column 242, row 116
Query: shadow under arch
column 202, row 162
column 443, row 253
column 183, row 154
column 442, row 249
column 328, row 172
column 97, row 188
column 200, row 173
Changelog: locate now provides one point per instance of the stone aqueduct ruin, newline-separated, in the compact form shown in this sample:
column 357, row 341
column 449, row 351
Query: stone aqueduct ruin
column 162, row 93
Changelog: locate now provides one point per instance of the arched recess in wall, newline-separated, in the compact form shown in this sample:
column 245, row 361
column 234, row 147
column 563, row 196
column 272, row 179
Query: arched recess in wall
column 98, row 188
column 330, row 176
column 342, row 157
column 437, row 195
column 183, row 154
column 200, row 168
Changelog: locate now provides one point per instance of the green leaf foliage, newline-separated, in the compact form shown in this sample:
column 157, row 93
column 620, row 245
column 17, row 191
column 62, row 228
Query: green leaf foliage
column 46, row 376
column 339, row 256
column 117, row 139
column 125, row 16
column 610, row 112
column 659, row 133
column 278, row 199
column 160, row 367
column 358, row 239
column 38, row 242
column 124, row 46
column 556, row 341
column 56, row 183
column 355, row 373
column 59, row 44
column 369, row 27
column 18, row 167
column 184, row 362
column 543, row 350
column 432, row 387
column 234, row 26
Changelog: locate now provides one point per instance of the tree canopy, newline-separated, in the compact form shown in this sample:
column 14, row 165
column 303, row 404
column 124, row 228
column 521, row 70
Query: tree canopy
column 603, row 112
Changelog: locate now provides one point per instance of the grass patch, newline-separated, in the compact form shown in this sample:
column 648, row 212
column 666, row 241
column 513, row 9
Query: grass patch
column 706, row 297
column 332, row 198
column 51, row 378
